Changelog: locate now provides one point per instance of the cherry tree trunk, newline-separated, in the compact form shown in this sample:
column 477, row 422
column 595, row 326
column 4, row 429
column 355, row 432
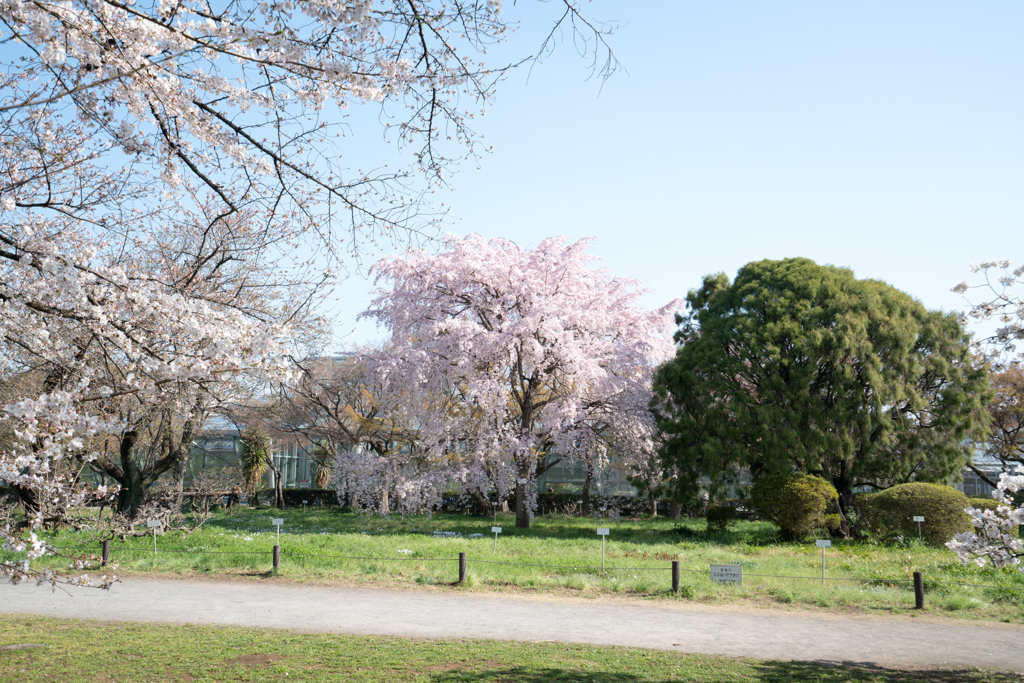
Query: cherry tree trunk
column 522, row 493
column 587, row 483
column 522, row 510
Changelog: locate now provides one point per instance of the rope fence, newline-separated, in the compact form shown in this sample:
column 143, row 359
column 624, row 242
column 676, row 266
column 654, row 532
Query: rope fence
column 675, row 568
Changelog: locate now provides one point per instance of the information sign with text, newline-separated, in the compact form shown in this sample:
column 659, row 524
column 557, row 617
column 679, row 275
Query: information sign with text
column 727, row 573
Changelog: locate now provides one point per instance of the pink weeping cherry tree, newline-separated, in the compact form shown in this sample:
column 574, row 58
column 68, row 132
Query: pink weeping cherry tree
column 510, row 359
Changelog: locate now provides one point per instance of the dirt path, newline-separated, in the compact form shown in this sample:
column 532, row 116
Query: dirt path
column 898, row 642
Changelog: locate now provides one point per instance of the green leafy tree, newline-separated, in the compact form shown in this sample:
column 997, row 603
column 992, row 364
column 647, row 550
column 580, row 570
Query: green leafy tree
column 796, row 366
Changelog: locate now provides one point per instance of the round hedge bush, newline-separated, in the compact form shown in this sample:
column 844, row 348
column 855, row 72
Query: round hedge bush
column 720, row 517
column 796, row 503
column 888, row 515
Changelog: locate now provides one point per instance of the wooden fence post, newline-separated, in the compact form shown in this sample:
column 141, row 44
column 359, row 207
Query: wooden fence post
column 106, row 553
column 462, row 567
column 918, row 591
column 675, row 576
column 277, row 557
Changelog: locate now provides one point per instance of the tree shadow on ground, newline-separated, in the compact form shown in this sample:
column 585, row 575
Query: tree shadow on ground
column 828, row 672
column 753, row 672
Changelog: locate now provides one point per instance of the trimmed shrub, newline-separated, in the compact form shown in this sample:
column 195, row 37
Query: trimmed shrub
column 889, row 514
column 796, row 503
column 983, row 503
column 720, row 517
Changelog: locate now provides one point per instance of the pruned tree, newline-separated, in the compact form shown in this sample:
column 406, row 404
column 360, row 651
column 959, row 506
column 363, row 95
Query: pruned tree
column 516, row 357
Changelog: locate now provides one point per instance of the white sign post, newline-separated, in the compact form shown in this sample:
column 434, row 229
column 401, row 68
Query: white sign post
column 602, row 533
column 495, row 530
column 304, row 505
column 918, row 519
column 823, row 545
column 278, row 521
column 727, row 573
column 153, row 524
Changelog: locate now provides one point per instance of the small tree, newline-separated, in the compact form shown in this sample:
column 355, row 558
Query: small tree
column 256, row 460
column 323, row 460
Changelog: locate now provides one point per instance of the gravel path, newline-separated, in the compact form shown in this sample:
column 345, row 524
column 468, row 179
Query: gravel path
column 897, row 642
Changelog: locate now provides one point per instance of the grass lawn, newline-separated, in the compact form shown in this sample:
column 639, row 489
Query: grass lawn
column 423, row 550
column 101, row 652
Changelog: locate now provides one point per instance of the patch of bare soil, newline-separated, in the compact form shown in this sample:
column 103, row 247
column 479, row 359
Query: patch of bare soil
column 256, row 660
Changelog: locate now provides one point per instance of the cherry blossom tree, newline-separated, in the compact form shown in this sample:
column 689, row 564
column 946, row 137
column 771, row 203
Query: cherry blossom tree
column 1001, row 303
column 336, row 404
column 996, row 537
column 510, row 359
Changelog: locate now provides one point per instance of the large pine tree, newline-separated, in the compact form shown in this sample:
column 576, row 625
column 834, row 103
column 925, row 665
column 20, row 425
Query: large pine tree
column 796, row 366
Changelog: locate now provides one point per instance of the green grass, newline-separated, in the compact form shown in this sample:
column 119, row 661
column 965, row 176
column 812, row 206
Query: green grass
column 76, row 651
column 399, row 551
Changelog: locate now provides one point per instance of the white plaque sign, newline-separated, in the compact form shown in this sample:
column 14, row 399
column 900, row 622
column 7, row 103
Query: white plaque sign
column 495, row 529
column 602, row 532
column 918, row 518
column 823, row 544
column 727, row 573
column 152, row 523
column 277, row 521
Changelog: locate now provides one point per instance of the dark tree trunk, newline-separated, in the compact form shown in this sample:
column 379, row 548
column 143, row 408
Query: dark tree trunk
column 677, row 509
column 132, row 480
column 183, row 451
column 843, row 481
column 26, row 498
column 588, row 481
column 522, row 510
column 522, row 513
column 278, row 488
column 654, row 507
column 483, row 503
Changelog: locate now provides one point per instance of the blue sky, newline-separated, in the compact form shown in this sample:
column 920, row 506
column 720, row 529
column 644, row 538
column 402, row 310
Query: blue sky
column 885, row 137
